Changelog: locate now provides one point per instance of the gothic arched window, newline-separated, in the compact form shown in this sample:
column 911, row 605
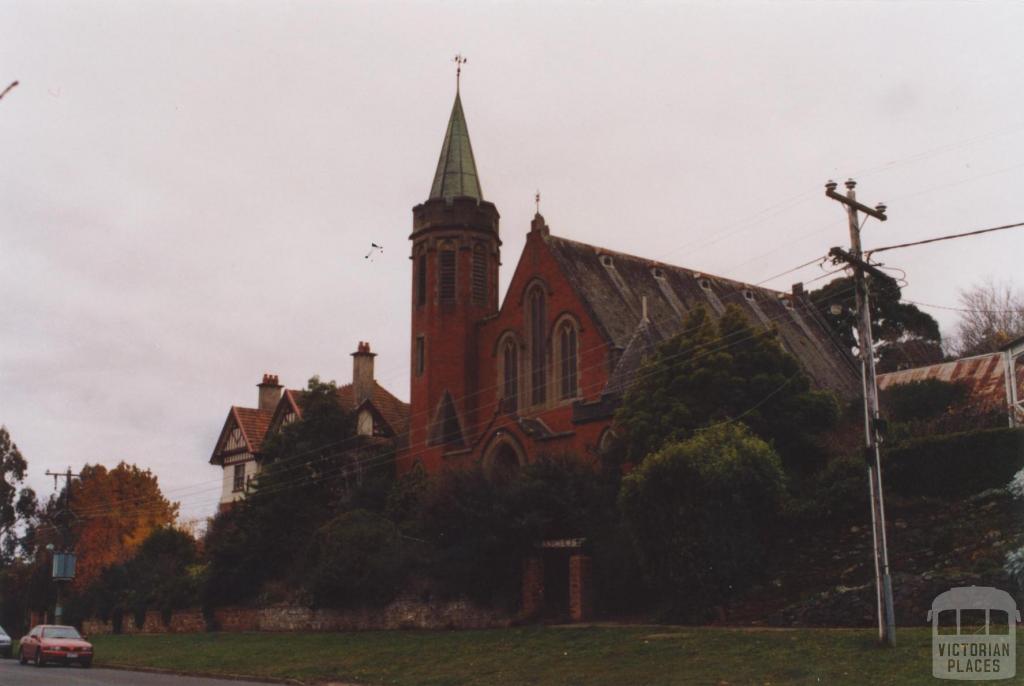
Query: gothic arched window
column 510, row 376
column 568, row 360
column 538, row 354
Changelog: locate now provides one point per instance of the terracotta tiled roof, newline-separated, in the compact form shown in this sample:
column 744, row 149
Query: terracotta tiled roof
column 984, row 375
column 254, row 424
column 394, row 411
column 613, row 285
column 391, row 409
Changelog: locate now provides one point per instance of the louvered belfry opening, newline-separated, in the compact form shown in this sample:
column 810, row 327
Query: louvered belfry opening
column 479, row 275
column 446, row 276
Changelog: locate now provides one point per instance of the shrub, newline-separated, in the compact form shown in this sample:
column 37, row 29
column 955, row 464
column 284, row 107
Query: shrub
column 715, row 371
column 359, row 559
column 837, row 491
column 955, row 465
column 478, row 541
column 919, row 400
column 697, row 511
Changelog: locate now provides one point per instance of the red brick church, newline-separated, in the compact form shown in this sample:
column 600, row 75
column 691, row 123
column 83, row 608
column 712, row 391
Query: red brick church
column 542, row 371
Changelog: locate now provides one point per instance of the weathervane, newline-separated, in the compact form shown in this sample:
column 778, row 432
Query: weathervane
column 537, row 200
column 459, row 60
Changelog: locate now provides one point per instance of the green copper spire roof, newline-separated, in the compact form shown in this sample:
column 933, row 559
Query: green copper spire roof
column 456, row 169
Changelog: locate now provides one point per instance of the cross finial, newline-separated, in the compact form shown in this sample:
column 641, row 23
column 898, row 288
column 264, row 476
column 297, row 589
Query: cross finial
column 459, row 60
column 537, row 200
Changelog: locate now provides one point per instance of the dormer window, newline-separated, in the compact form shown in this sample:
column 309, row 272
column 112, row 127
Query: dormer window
column 658, row 274
column 749, row 295
column 606, row 260
column 705, row 284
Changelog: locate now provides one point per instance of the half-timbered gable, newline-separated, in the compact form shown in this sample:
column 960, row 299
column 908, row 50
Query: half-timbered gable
column 238, row 448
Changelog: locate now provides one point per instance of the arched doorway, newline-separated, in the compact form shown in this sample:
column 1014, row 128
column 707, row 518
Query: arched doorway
column 503, row 457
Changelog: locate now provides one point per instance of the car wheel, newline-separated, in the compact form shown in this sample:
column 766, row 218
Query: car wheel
column 86, row 664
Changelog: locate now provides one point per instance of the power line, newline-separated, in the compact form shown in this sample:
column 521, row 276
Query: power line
column 388, row 456
column 946, row 238
column 965, row 309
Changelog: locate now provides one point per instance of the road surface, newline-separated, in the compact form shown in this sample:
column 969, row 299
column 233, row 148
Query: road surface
column 13, row 674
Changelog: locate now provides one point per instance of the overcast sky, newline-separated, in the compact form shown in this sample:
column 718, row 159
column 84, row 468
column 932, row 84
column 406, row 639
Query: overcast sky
column 188, row 189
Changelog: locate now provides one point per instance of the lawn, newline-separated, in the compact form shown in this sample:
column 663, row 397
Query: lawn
column 541, row 656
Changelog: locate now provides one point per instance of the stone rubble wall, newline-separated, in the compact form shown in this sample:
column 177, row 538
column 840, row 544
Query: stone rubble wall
column 400, row 614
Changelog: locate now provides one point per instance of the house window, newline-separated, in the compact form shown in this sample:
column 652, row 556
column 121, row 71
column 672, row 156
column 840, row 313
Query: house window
column 510, row 381
column 479, row 275
column 421, row 361
column 421, row 280
column 446, row 276
column 238, row 483
column 538, row 373
column 567, row 367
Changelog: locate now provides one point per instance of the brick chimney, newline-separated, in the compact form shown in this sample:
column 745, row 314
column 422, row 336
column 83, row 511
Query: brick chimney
column 362, row 372
column 270, row 392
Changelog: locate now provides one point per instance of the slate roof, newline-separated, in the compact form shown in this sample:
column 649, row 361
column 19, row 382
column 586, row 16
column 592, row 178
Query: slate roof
column 612, row 286
column 456, row 168
column 984, row 376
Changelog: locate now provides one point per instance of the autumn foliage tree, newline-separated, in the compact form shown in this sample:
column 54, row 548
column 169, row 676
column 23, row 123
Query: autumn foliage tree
column 114, row 511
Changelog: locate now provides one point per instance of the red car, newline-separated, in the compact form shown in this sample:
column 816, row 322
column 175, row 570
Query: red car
column 52, row 643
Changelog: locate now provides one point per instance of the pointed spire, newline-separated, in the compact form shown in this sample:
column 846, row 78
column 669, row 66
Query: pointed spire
column 456, row 169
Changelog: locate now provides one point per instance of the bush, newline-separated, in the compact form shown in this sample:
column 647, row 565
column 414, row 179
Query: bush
column 920, row 400
column 837, row 491
column 477, row 539
column 955, row 465
column 360, row 559
column 698, row 511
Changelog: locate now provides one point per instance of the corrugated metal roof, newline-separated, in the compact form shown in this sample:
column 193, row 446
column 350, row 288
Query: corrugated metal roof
column 984, row 375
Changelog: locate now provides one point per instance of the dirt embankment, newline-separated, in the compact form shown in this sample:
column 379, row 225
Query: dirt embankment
column 822, row 574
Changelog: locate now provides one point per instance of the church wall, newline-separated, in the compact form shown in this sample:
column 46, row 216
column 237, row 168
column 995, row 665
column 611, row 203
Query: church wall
column 538, row 264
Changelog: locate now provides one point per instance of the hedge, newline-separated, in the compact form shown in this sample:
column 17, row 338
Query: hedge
column 954, row 465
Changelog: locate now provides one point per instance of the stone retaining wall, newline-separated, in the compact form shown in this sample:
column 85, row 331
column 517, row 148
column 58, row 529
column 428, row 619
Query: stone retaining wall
column 400, row 614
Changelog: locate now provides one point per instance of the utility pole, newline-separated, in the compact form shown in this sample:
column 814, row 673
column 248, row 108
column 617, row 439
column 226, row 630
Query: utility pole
column 872, row 420
column 63, row 559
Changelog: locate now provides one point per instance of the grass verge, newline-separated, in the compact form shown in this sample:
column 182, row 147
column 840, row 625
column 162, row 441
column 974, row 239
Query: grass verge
column 541, row 656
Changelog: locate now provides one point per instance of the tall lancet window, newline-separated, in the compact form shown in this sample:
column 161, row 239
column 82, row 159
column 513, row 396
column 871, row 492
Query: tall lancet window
column 510, row 376
column 538, row 353
column 479, row 275
column 567, row 360
column 446, row 275
column 421, row 280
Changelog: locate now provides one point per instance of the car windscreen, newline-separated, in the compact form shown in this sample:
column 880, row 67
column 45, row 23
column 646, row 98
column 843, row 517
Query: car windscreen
column 60, row 632
column 2, row 632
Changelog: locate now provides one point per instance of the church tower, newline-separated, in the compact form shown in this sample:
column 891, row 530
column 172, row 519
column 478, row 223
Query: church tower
column 455, row 259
